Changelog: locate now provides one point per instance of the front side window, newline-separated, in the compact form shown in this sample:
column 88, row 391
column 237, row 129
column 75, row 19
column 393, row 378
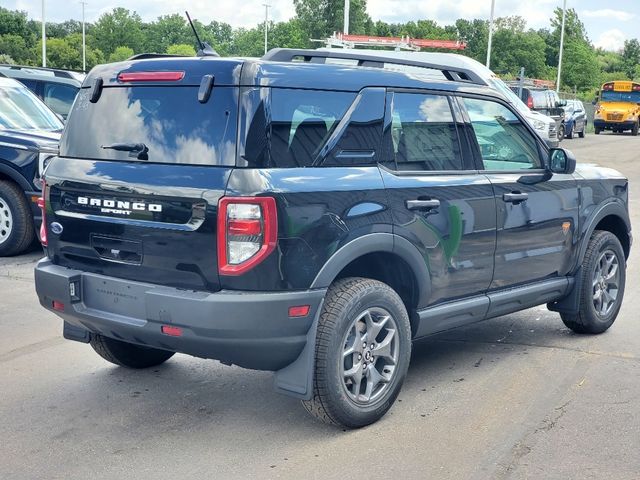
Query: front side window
column 424, row 133
column 504, row 141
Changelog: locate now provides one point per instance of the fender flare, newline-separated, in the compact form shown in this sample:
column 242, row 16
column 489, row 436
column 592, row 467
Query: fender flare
column 15, row 176
column 374, row 243
column 604, row 210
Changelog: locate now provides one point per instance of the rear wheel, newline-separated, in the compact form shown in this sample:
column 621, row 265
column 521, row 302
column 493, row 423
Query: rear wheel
column 603, row 282
column 561, row 133
column 16, row 220
column 128, row 355
column 363, row 348
column 570, row 134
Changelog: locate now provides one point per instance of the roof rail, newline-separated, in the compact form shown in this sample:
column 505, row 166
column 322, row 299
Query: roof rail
column 365, row 59
column 57, row 72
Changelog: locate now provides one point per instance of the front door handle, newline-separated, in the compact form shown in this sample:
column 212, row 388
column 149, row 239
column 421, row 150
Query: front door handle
column 515, row 197
column 423, row 204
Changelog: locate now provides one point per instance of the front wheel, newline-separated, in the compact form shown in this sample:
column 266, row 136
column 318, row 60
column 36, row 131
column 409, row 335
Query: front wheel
column 597, row 131
column 16, row 220
column 560, row 133
column 127, row 354
column 582, row 133
column 602, row 288
column 634, row 129
column 362, row 352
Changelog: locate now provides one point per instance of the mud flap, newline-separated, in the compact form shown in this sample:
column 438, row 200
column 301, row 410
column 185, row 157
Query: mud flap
column 571, row 303
column 296, row 379
column 77, row 334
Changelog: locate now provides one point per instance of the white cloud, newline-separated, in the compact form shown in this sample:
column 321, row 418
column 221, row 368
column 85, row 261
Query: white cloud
column 618, row 15
column 611, row 40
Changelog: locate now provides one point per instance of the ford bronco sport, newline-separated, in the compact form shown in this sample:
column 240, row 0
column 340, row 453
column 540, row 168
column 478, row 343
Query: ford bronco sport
column 311, row 213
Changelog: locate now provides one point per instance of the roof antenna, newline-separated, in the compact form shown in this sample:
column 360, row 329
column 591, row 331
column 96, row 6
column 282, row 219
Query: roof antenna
column 205, row 50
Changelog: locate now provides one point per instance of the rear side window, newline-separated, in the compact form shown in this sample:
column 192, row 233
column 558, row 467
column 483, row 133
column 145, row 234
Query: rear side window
column 424, row 132
column 169, row 121
column 59, row 98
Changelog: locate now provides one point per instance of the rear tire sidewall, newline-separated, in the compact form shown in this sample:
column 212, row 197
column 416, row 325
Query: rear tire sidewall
column 22, row 231
column 347, row 412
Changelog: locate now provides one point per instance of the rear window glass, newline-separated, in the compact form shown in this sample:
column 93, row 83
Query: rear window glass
column 169, row 121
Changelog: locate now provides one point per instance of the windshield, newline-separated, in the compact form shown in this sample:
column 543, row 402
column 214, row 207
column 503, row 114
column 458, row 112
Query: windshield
column 22, row 110
column 609, row 96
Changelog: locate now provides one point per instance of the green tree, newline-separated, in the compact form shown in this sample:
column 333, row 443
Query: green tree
column 476, row 34
column 287, row 35
column 120, row 54
column 515, row 48
column 60, row 54
column 631, row 57
column 181, row 49
column 320, row 18
column 574, row 30
column 580, row 67
column 168, row 30
column 119, row 28
column 13, row 22
column 16, row 47
column 248, row 42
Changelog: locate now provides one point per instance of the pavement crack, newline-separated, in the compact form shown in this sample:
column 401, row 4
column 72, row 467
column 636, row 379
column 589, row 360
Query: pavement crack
column 29, row 349
column 624, row 356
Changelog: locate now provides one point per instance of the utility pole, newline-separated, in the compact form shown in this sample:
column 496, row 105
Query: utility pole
column 347, row 6
column 84, row 42
column 266, row 26
column 564, row 18
column 493, row 7
column 44, row 38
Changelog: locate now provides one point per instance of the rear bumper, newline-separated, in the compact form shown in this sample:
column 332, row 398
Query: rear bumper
column 606, row 125
column 252, row 330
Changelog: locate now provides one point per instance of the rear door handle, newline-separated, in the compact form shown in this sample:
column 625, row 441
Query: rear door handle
column 423, row 204
column 515, row 197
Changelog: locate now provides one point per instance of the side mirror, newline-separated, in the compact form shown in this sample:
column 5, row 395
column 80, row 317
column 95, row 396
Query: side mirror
column 595, row 100
column 561, row 161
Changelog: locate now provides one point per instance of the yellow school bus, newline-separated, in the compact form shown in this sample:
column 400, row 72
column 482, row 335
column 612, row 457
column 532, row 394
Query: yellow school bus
column 618, row 107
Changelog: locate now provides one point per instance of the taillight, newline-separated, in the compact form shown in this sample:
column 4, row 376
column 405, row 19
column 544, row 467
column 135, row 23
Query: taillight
column 42, row 203
column 247, row 232
column 530, row 102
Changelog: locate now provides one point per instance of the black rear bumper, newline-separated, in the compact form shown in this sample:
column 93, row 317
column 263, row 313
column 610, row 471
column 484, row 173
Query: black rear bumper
column 249, row 329
column 606, row 125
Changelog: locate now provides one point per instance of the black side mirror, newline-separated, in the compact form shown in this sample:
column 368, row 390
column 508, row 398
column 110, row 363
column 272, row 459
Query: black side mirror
column 561, row 161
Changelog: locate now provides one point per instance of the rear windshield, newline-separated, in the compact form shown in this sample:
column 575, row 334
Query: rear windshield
column 169, row 121
column 22, row 110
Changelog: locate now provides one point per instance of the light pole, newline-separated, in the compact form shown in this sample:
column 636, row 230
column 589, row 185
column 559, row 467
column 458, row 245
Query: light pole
column 345, row 28
column 493, row 7
column 564, row 18
column 44, row 39
column 84, row 42
column 266, row 26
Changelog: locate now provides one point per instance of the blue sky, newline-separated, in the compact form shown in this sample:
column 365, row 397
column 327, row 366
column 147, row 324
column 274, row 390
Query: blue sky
column 608, row 23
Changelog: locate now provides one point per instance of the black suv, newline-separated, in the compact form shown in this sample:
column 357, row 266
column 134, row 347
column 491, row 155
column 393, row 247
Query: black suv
column 312, row 213
column 29, row 135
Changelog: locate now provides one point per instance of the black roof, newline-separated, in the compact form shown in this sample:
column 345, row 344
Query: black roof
column 284, row 74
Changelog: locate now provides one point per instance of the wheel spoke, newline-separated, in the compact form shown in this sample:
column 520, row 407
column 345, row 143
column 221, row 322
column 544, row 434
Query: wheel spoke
column 356, row 346
column 373, row 380
column 354, row 372
column 383, row 349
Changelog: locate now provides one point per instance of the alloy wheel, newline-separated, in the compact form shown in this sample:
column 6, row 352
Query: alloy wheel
column 606, row 282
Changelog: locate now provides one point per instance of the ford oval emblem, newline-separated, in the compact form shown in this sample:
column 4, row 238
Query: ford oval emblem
column 56, row 228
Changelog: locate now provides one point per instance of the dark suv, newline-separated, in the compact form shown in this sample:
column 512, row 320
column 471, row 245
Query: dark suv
column 312, row 213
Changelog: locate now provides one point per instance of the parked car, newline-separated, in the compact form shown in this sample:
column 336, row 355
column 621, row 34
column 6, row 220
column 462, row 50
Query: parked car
column 575, row 119
column 56, row 88
column 29, row 135
column 313, row 219
column 546, row 102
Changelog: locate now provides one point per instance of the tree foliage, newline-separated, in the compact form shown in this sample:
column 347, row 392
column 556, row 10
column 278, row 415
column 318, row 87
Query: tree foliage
column 120, row 33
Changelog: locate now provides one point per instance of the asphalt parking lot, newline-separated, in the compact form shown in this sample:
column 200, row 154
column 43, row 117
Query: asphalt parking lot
column 511, row 398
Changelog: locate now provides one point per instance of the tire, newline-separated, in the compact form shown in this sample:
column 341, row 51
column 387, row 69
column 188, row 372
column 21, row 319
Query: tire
column 569, row 134
column 594, row 315
column 561, row 133
column 16, row 220
column 596, row 131
column 344, row 326
column 583, row 132
column 634, row 130
column 128, row 355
